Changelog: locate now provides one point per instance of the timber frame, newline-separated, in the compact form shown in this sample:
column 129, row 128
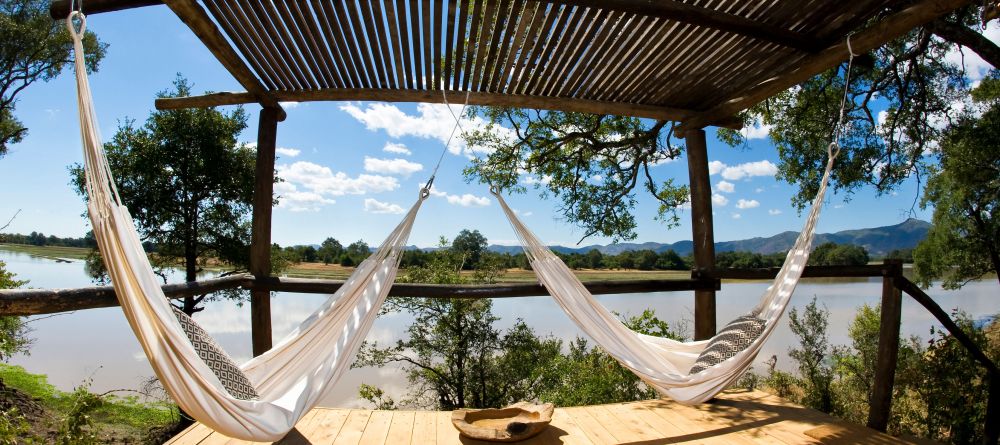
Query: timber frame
column 694, row 62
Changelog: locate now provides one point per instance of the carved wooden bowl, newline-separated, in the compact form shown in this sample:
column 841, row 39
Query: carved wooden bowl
column 511, row 424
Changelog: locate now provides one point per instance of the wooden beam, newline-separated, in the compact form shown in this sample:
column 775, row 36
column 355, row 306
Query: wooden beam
column 193, row 15
column 59, row 9
column 702, row 231
column 880, row 400
column 50, row 301
column 709, row 18
column 260, row 241
column 807, row 272
column 319, row 286
column 475, row 98
column 888, row 29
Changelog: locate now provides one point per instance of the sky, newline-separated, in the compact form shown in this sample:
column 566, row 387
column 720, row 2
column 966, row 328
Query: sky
column 351, row 169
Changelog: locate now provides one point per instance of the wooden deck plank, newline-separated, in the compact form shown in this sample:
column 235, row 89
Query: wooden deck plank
column 377, row 428
column 743, row 418
column 354, row 427
column 401, row 429
column 424, row 428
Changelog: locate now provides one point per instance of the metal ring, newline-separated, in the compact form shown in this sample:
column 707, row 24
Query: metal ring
column 83, row 23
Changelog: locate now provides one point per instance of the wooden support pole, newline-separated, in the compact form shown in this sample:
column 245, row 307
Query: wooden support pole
column 880, row 402
column 260, row 242
column 991, row 434
column 59, row 9
column 702, row 231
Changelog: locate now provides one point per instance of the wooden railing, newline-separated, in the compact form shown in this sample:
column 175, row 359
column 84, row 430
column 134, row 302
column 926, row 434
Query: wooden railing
column 894, row 284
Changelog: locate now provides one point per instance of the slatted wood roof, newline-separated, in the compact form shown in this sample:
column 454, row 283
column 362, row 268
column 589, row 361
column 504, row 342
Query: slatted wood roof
column 690, row 60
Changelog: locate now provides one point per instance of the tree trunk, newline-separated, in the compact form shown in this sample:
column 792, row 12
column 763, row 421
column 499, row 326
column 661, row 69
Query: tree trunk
column 190, row 257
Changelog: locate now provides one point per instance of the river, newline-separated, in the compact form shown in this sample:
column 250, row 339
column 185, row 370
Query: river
column 97, row 345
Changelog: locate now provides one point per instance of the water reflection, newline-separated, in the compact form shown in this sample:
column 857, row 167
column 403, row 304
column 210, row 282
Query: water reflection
column 98, row 343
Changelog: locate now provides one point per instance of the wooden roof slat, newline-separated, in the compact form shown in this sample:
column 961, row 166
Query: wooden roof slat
column 532, row 40
column 319, row 46
column 460, row 33
column 645, row 77
column 362, row 22
column 385, row 48
column 621, row 29
column 551, row 36
column 397, row 49
column 505, row 74
column 691, row 51
column 259, row 19
column 449, row 45
column 437, row 49
column 284, row 34
column 572, row 60
column 703, row 17
column 612, row 65
column 261, row 40
column 497, row 33
column 470, row 50
column 357, row 49
column 595, row 54
column 516, row 22
column 486, row 32
column 415, row 37
column 353, row 76
column 251, row 52
column 297, row 32
column 632, row 60
column 428, row 46
column 575, row 30
column 199, row 22
column 404, row 36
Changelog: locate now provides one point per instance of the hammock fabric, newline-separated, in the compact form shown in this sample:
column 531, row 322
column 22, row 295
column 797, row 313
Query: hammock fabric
column 663, row 363
column 289, row 379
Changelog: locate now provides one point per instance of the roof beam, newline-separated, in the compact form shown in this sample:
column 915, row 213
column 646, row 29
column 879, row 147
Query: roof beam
column 709, row 18
column 475, row 98
column 891, row 27
column 59, row 9
column 198, row 20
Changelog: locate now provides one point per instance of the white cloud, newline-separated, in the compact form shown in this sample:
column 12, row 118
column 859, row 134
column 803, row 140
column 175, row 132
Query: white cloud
column 725, row 187
column 432, row 121
column 975, row 67
column 307, row 186
column 376, row 206
column 289, row 105
column 531, row 180
column 719, row 200
column 289, row 197
column 774, row 212
column 737, row 216
column 758, row 190
column 745, row 170
column 396, row 166
column 464, row 200
column 744, row 204
column 392, row 147
column 756, row 131
column 518, row 212
column 597, row 178
column 290, row 152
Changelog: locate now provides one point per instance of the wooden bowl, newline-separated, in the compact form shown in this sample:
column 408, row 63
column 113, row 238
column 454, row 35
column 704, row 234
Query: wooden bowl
column 511, row 424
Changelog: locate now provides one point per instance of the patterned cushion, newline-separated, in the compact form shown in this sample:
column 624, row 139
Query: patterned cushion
column 232, row 378
column 733, row 338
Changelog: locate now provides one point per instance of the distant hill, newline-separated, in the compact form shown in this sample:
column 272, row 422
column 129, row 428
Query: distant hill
column 877, row 240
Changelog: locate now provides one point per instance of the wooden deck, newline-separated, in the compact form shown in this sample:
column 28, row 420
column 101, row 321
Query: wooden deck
column 734, row 418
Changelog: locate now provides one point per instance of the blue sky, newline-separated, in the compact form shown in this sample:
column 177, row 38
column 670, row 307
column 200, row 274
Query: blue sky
column 351, row 168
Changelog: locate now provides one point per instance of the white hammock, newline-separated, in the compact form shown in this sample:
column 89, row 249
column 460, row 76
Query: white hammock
column 663, row 363
column 289, row 379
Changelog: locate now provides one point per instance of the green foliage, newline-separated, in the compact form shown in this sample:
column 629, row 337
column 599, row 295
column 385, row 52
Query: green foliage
column 78, row 427
column 833, row 254
column 964, row 242
column 592, row 163
column 14, row 428
column 376, row 396
column 13, row 329
column 33, row 47
column 330, row 251
column 471, row 245
column 812, row 355
column 188, row 183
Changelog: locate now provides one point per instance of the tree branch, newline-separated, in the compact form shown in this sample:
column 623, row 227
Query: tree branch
column 11, row 219
column 968, row 38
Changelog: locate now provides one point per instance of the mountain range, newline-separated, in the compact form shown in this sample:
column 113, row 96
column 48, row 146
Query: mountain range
column 879, row 241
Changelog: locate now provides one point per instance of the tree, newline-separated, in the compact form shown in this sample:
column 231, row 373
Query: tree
column 33, row 48
column 833, row 254
column 812, row 355
column 188, row 183
column 594, row 163
column 471, row 245
column 357, row 252
column 963, row 242
column 13, row 329
column 330, row 250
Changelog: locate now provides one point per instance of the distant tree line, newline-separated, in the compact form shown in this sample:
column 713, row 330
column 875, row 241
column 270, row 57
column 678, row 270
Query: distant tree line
column 39, row 239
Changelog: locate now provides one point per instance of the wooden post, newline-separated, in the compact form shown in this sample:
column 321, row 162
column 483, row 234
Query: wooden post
column 260, row 242
column 880, row 403
column 991, row 435
column 702, row 230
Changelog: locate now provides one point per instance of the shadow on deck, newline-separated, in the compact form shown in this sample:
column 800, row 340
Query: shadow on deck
column 735, row 417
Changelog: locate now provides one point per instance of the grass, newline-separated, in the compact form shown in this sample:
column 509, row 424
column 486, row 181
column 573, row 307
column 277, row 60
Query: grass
column 114, row 419
column 50, row 252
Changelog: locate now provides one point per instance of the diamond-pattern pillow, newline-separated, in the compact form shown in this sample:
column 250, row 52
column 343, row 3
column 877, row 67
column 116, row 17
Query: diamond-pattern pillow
column 233, row 380
column 731, row 339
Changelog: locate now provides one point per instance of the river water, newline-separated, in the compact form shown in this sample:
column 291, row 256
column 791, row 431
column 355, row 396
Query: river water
column 98, row 345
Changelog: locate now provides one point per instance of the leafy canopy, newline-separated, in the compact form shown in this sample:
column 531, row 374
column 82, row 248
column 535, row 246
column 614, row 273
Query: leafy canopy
column 33, row 47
